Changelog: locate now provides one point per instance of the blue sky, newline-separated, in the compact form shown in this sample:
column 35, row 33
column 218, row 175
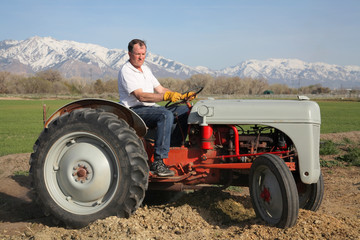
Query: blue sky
column 211, row 33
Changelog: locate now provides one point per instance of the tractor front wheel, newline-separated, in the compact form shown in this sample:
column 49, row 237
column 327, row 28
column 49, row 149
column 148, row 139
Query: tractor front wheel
column 311, row 195
column 273, row 191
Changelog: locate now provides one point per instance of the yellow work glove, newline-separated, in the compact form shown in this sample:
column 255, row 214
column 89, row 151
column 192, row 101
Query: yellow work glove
column 172, row 96
column 188, row 96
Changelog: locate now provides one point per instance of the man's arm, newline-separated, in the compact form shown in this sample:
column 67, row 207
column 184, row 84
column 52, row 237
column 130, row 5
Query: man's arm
column 161, row 89
column 158, row 96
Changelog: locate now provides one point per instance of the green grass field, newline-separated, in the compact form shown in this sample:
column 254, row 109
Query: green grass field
column 340, row 116
column 22, row 121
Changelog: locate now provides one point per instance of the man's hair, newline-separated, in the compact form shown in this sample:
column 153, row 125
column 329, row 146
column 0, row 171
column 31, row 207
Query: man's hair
column 135, row 41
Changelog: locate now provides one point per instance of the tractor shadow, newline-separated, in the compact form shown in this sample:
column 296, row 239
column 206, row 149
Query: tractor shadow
column 16, row 202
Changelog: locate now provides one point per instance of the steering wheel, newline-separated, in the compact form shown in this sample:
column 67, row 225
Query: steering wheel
column 196, row 91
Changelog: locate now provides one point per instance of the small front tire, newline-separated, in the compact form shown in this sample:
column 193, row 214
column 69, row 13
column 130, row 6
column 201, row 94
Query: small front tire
column 311, row 195
column 273, row 191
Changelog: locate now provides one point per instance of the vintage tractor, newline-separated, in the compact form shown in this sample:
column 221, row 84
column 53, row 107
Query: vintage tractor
column 91, row 160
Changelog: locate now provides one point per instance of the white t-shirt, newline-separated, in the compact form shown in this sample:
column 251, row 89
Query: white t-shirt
column 131, row 79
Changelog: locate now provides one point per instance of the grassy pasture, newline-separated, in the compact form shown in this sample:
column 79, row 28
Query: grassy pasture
column 21, row 121
column 339, row 116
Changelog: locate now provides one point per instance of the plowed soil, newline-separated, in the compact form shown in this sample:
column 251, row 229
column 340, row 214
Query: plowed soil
column 205, row 214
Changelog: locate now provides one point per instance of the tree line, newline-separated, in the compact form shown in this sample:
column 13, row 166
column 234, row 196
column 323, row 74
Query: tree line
column 52, row 82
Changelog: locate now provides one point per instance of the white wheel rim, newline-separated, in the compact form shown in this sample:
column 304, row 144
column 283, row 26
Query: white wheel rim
column 81, row 173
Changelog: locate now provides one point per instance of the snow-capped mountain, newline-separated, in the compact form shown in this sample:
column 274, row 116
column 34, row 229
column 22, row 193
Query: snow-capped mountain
column 93, row 61
column 78, row 59
column 294, row 72
column 71, row 58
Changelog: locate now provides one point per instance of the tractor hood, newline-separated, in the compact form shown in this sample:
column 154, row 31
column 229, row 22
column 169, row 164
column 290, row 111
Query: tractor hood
column 238, row 111
column 299, row 120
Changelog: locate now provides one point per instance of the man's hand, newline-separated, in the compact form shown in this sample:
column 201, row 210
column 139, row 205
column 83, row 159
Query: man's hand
column 172, row 96
column 189, row 96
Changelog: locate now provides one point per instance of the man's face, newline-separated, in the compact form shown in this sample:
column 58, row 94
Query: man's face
column 137, row 56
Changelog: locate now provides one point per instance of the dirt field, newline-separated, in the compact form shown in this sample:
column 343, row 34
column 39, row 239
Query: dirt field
column 211, row 214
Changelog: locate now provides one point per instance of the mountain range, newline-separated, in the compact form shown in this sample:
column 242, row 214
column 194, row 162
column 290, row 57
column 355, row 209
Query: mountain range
column 92, row 61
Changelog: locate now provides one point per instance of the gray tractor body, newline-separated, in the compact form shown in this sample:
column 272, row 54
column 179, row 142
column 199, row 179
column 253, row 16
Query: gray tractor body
column 299, row 120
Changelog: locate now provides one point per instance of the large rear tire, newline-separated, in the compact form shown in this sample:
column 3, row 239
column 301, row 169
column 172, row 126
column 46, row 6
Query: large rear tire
column 273, row 191
column 88, row 165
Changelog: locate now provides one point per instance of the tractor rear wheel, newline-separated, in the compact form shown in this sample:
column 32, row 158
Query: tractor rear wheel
column 87, row 165
column 273, row 191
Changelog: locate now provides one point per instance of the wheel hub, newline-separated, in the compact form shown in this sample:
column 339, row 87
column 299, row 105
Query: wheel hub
column 265, row 195
column 77, row 178
column 82, row 172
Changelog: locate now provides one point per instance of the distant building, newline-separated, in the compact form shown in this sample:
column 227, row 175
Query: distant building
column 268, row 92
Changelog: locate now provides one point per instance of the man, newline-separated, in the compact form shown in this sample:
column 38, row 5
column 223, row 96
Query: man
column 140, row 90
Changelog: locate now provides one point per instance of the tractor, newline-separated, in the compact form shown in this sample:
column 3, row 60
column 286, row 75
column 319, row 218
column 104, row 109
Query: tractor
column 92, row 158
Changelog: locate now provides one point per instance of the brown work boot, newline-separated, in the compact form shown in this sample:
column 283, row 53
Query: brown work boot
column 159, row 168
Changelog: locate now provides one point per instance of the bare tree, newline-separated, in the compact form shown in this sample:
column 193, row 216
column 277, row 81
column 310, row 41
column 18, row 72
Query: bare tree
column 172, row 83
column 199, row 80
column 50, row 75
column 77, row 85
column 4, row 78
column 99, row 86
column 111, row 86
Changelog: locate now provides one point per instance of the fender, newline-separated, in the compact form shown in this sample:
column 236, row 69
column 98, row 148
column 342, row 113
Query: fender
column 109, row 106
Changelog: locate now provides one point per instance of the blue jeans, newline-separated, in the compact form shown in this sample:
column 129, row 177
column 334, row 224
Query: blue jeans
column 163, row 120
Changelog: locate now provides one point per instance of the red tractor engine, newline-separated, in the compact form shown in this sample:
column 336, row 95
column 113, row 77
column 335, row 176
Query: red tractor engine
column 213, row 149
